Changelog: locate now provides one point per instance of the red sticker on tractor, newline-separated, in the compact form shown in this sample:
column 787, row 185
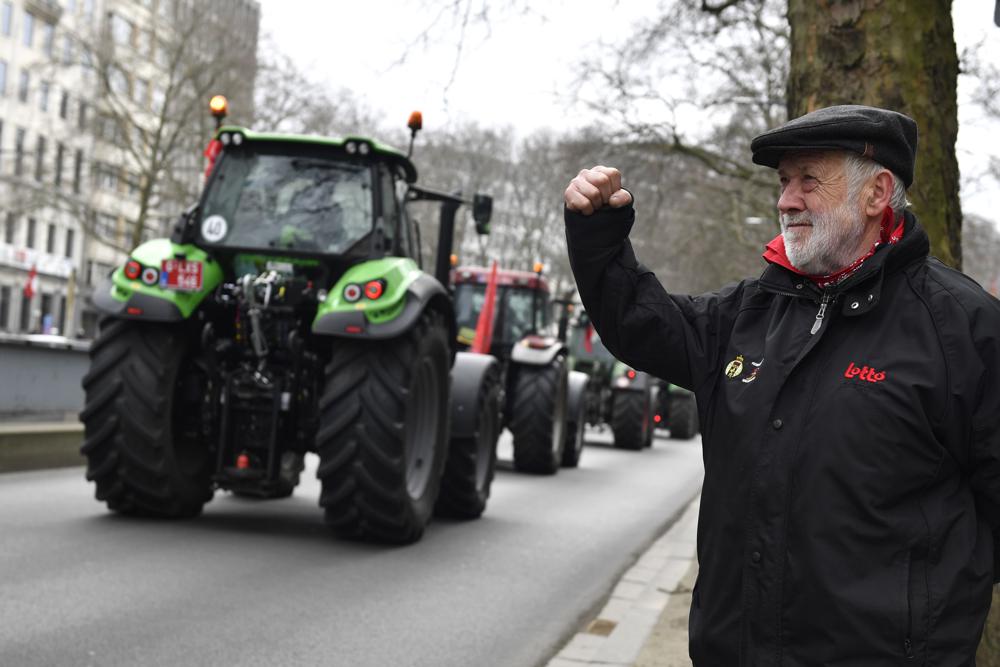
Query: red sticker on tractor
column 180, row 274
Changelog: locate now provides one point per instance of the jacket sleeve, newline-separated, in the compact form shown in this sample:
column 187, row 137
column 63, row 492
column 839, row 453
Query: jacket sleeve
column 678, row 338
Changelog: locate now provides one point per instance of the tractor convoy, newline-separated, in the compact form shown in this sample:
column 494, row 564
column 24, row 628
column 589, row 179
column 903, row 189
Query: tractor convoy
column 289, row 312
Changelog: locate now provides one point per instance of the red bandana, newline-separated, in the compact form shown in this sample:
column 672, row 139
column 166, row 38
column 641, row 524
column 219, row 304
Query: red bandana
column 775, row 252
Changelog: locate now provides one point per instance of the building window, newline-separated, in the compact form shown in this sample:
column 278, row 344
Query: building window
column 81, row 116
column 29, row 29
column 158, row 99
column 48, row 38
column 5, row 308
column 64, row 105
column 29, row 238
column 19, row 138
column 9, row 227
column 3, row 77
column 142, row 93
column 60, row 154
column 50, row 240
column 47, row 316
column 43, row 95
column 23, row 85
column 118, row 82
column 67, row 50
column 39, row 158
column 105, row 176
column 70, row 234
column 77, row 170
column 6, row 17
column 121, row 30
column 25, row 312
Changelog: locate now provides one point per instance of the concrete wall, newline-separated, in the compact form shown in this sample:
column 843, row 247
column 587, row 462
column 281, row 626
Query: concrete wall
column 40, row 377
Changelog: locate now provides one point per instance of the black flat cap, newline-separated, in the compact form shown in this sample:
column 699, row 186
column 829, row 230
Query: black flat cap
column 888, row 137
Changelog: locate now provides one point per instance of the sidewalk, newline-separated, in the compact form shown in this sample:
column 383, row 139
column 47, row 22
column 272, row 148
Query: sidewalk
column 644, row 623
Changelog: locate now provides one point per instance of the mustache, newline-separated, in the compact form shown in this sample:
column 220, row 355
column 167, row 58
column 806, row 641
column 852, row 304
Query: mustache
column 787, row 219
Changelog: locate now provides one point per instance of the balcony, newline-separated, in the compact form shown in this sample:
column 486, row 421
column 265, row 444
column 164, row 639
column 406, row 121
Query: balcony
column 48, row 11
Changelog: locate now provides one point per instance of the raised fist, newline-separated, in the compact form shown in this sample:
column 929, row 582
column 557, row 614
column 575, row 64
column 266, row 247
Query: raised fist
column 595, row 188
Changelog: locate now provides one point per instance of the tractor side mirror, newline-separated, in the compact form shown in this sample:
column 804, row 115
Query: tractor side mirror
column 482, row 211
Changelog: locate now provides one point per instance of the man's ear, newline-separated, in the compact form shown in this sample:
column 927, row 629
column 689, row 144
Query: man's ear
column 878, row 194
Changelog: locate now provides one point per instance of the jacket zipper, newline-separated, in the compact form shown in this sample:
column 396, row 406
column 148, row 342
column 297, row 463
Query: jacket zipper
column 820, row 314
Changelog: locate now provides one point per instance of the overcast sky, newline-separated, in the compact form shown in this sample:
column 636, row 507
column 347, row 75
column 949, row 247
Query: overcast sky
column 516, row 75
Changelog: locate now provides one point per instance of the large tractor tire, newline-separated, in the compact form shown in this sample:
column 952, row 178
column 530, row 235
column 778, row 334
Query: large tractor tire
column 538, row 417
column 631, row 419
column 576, row 425
column 683, row 421
column 468, row 473
column 142, row 421
column 383, row 433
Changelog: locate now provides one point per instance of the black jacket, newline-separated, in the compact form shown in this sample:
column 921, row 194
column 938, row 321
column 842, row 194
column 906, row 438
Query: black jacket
column 852, row 449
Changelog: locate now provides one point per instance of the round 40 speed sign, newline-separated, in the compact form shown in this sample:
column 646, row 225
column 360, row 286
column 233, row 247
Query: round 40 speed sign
column 214, row 228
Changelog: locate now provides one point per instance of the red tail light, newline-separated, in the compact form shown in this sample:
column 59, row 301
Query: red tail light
column 132, row 269
column 630, row 373
column 657, row 419
column 374, row 289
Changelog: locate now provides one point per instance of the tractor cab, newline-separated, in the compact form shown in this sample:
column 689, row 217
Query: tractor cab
column 322, row 205
column 522, row 307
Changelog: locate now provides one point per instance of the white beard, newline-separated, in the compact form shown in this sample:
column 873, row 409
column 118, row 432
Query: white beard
column 832, row 243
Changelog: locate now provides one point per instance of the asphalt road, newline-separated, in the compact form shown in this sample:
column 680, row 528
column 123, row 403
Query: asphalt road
column 263, row 583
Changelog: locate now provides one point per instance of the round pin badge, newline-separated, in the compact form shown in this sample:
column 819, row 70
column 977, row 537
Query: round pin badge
column 150, row 276
column 214, row 228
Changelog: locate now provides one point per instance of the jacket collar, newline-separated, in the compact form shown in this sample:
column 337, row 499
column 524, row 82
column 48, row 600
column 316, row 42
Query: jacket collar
column 862, row 291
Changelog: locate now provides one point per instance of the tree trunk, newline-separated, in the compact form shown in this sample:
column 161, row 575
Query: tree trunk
column 896, row 54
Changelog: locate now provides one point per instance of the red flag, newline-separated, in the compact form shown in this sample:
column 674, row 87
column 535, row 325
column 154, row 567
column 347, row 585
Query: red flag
column 31, row 287
column 484, row 327
column 212, row 151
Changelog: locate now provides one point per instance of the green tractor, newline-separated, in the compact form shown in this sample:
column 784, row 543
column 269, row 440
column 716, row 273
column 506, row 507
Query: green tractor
column 289, row 313
column 616, row 395
column 541, row 395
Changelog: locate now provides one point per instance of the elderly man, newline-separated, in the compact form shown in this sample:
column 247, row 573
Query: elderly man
column 850, row 405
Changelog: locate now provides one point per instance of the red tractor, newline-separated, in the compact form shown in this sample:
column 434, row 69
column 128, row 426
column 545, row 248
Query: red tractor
column 543, row 399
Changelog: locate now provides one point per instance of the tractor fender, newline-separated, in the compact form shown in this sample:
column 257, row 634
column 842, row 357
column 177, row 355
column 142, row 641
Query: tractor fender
column 468, row 374
column 577, row 392
column 134, row 299
column 532, row 356
column 423, row 292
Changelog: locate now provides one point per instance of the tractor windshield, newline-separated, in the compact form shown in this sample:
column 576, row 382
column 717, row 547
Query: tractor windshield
column 262, row 200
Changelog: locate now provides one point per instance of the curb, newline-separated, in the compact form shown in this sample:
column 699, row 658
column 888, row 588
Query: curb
column 617, row 636
column 37, row 445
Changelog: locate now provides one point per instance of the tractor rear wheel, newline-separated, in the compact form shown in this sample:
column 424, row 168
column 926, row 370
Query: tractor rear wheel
column 683, row 421
column 468, row 474
column 383, row 433
column 538, row 419
column 631, row 419
column 142, row 420
column 575, row 428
